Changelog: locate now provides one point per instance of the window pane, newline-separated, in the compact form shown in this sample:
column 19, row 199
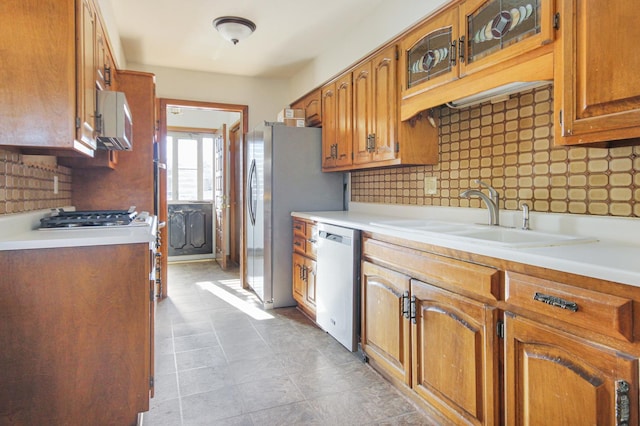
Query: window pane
column 169, row 168
column 187, row 169
column 188, row 184
column 207, row 168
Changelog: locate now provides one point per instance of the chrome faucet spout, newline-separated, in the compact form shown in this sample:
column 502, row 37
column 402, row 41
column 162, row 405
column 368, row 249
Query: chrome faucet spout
column 491, row 206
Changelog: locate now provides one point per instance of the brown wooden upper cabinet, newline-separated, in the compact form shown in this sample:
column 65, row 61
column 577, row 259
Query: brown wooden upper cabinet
column 597, row 91
column 337, row 125
column 312, row 105
column 361, row 127
column 475, row 46
column 49, row 75
column 375, row 108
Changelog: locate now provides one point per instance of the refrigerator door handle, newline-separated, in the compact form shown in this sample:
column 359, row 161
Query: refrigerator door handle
column 252, row 172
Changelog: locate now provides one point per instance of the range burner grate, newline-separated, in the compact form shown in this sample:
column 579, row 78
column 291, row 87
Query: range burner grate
column 71, row 219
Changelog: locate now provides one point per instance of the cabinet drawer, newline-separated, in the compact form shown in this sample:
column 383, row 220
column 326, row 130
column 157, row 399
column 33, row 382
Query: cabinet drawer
column 451, row 274
column 299, row 244
column 592, row 310
column 305, row 237
column 299, row 227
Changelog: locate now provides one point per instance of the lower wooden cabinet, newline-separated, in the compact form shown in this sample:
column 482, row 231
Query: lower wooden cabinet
column 304, row 265
column 385, row 331
column 440, row 345
column 304, row 283
column 478, row 343
column 455, row 355
column 76, row 335
column 556, row 378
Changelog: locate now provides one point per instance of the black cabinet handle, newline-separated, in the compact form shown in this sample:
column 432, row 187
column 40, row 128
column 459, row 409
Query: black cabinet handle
column 556, row 301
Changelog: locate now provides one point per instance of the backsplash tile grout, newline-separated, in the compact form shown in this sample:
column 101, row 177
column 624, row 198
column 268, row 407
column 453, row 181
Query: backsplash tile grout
column 28, row 187
column 510, row 146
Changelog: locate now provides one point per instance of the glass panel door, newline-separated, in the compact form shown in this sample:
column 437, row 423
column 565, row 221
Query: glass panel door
column 501, row 23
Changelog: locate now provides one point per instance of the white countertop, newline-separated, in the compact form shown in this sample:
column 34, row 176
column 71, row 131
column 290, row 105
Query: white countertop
column 20, row 232
column 614, row 257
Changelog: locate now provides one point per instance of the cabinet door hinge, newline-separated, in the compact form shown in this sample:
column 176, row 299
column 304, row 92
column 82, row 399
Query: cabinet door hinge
column 413, row 310
column 397, row 146
column 151, row 382
column 78, row 122
column 405, row 304
column 500, row 329
column 151, row 294
column 107, row 75
column 556, row 21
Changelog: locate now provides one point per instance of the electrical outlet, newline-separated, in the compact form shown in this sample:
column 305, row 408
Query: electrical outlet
column 55, row 184
column 430, row 185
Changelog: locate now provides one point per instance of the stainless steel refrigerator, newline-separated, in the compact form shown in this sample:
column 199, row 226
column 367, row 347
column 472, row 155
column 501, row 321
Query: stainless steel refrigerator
column 283, row 175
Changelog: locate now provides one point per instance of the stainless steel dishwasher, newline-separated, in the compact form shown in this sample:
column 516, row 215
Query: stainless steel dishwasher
column 337, row 283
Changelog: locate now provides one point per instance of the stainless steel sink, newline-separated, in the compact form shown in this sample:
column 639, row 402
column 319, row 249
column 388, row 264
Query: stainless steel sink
column 496, row 236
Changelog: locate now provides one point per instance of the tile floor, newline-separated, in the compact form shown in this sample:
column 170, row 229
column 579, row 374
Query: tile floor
column 221, row 360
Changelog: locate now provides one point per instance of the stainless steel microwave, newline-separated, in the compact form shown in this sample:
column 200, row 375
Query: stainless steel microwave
column 115, row 131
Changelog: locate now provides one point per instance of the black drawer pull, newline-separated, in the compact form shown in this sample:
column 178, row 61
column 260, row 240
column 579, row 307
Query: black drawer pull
column 556, row 301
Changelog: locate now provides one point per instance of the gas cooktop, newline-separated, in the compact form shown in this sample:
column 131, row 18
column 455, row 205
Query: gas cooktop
column 82, row 218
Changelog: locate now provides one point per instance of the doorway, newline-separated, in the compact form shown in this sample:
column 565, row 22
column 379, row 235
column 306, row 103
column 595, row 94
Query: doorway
column 208, row 137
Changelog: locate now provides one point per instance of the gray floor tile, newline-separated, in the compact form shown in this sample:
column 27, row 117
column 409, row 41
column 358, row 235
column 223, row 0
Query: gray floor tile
column 299, row 413
column 205, row 379
column 196, row 341
column 269, row 393
column 209, row 408
column 234, row 369
column 165, row 388
column 165, row 363
column 165, row 413
column 188, row 328
column 197, row 358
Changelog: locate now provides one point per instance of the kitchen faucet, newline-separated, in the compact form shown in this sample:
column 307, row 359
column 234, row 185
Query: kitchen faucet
column 492, row 201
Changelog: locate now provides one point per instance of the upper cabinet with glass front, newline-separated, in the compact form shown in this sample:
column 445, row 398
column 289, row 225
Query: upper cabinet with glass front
column 430, row 53
column 498, row 30
column 474, row 46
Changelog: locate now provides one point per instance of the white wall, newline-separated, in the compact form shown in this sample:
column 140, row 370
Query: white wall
column 265, row 97
column 382, row 24
column 202, row 118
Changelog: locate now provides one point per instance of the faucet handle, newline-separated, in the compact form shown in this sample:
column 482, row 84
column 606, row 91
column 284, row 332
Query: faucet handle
column 492, row 190
column 525, row 216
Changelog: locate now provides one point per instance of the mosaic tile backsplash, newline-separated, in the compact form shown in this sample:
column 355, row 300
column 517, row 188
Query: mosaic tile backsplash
column 27, row 186
column 510, row 146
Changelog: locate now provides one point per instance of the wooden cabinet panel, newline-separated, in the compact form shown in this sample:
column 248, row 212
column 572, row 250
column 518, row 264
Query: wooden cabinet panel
column 552, row 375
column 375, row 109
column 597, row 84
column 40, row 71
column 304, row 265
column 86, row 74
column 385, row 326
column 455, row 355
column 438, row 270
column 495, row 31
column 362, row 113
column 385, row 104
column 470, row 67
column 419, row 72
column 604, row 313
column 75, row 335
column 312, row 105
column 337, row 124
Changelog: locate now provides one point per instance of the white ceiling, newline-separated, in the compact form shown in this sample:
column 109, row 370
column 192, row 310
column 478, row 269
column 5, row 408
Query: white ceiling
column 180, row 34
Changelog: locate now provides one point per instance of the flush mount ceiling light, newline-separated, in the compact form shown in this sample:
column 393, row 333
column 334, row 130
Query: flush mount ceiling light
column 233, row 28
